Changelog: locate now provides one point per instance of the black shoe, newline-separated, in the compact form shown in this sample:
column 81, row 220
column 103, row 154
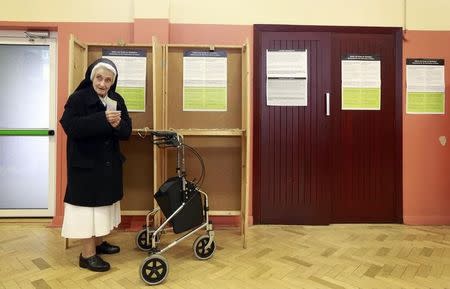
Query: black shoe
column 107, row 248
column 94, row 263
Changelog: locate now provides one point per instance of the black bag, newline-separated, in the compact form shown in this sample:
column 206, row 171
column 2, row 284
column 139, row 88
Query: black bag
column 170, row 198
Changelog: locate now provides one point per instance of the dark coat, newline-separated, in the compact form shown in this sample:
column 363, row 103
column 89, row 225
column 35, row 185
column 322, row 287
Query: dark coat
column 94, row 161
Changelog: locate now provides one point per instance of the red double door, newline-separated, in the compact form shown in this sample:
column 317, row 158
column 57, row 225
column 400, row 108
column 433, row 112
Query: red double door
column 314, row 168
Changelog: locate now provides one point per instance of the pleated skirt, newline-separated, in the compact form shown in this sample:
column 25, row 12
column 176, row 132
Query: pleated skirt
column 86, row 222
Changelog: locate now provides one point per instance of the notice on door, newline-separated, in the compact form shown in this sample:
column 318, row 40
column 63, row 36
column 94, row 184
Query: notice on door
column 425, row 86
column 361, row 82
column 287, row 78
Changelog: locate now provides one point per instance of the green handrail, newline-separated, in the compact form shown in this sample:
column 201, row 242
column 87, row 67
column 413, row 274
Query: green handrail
column 26, row 132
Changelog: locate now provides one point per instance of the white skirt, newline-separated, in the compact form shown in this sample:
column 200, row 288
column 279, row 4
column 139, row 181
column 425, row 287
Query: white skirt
column 86, row 222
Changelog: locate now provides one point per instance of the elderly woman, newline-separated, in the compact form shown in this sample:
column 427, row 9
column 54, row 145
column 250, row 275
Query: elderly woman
column 95, row 119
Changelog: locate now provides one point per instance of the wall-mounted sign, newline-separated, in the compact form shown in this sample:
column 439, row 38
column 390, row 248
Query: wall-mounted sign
column 425, row 86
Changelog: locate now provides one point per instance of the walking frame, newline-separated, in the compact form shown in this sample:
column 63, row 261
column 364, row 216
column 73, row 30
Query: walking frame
column 184, row 205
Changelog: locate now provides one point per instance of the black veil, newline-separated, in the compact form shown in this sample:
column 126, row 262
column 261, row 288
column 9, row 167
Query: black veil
column 87, row 82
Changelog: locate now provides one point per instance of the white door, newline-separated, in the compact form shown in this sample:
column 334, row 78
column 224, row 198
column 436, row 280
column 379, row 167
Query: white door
column 27, row 123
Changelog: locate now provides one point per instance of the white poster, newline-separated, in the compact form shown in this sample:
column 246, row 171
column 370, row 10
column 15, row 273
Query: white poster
column 132, row 67
column 425, row 86
column 287, row 78
column 205, row 81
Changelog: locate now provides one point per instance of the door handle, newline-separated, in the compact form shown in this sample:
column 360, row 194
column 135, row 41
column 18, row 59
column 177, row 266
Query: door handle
column 327, row 101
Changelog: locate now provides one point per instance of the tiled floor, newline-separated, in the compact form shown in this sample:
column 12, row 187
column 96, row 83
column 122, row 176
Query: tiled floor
column 32, row 255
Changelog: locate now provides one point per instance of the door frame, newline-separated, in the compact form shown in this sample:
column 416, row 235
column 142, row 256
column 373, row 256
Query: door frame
column 258, row 31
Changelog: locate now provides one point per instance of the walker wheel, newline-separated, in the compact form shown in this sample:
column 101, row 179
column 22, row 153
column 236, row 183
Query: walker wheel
column 154, row 269
column 200, row 250
column 141, row 240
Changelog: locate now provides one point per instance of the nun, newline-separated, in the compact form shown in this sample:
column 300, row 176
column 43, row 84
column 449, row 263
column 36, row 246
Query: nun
column 95, row 119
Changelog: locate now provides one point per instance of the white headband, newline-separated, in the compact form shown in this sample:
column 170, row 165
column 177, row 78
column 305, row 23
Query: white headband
column 103, row 65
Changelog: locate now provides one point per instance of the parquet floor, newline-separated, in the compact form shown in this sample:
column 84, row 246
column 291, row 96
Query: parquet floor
column 32, row 255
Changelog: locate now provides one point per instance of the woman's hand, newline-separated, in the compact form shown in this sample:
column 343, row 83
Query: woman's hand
column 113, row 117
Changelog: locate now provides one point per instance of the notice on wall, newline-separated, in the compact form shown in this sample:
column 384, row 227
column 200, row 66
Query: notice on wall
column 361, row 82
column 132, row 67
column 205, row 81
column 425, row 86
column 287, row 77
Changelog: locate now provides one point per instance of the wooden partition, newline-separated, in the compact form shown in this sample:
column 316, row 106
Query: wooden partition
column 77, row 62
column 139, row 168
column 220, row 137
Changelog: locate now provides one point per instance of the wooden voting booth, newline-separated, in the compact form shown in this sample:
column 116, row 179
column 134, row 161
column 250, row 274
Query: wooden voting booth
column 221, row 138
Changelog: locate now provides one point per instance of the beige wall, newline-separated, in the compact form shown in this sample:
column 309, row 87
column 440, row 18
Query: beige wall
column 67, row 10
column 151, row 9
column 420, row 14
column 306, row 12
column 427, row 14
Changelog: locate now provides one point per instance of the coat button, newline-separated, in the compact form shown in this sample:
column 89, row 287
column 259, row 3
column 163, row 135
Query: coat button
column 108, row 164
column 107, row 142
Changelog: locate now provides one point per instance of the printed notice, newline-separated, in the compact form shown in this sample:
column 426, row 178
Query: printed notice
column 287, row 77
column 361, row 82
column 205, row 81
column 132, row 66
column 425, row 86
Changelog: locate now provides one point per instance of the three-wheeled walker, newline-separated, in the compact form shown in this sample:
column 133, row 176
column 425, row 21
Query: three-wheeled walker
column 184, row 206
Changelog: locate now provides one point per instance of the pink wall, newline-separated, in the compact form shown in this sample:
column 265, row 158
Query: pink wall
column 144, row 29
column 426, row 163
column 210, row 34
column 426, row 185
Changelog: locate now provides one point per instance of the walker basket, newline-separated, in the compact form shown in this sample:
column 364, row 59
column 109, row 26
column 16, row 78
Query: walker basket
column 170, row 198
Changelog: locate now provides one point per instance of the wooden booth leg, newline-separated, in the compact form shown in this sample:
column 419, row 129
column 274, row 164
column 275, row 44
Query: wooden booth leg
column 66, row 243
